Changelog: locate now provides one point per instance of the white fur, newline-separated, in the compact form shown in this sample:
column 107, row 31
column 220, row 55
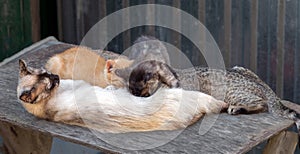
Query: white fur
column 166, row 109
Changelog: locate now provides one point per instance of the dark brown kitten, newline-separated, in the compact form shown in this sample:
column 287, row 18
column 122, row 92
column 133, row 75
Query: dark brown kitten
column 145, row 48
column 145, row 79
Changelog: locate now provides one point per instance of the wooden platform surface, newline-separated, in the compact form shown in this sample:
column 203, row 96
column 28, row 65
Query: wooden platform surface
column 229, row 134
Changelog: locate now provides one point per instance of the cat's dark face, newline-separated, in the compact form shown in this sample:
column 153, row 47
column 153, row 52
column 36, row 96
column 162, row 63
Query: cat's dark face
column 143, row 82
column 148, row 76
column 145, row 79
column 35, row 84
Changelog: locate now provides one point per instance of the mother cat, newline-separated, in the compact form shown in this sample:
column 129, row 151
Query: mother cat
column 76, row 102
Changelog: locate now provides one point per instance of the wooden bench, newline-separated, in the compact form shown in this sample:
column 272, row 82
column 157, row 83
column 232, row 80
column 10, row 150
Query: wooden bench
column 25, row 133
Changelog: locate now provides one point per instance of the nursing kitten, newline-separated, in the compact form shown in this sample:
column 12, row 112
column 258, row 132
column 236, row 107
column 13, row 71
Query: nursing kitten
column 145, row 48
column 76, row 102
column 242, row 89
column 81, row 63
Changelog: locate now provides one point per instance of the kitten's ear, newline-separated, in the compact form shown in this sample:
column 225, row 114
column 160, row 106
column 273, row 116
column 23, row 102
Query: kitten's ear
column 23, row 68
column 109, row 65
column 168, row 76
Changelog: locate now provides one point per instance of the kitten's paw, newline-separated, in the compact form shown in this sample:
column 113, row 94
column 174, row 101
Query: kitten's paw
column 174, row 84
column 110, row 87
column 234, row 110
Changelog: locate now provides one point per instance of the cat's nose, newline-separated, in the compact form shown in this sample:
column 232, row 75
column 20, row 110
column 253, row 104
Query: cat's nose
column 55, row 79
column 135, row 93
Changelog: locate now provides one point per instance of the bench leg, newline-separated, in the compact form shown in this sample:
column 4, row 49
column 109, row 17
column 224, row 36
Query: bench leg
column 21, row 140
column 284, row 142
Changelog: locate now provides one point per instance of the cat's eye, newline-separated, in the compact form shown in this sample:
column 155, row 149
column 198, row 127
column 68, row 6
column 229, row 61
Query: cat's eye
column 28, row 92
column 148, row 76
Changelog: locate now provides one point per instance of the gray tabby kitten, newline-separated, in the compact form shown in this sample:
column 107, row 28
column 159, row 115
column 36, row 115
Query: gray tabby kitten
column 242, row 89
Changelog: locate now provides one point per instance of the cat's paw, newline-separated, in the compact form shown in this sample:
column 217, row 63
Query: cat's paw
column 110, row 87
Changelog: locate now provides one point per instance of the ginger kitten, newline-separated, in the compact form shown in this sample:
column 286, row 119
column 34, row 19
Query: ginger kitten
column 81, row 63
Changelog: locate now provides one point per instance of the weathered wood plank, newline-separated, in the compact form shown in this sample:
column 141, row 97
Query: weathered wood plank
column 126, row 23
column 227, row 32
column 229, row 134
column 240, row 36
column 296, row 83
column 253, row 35
column 176, row 16
column 246, row 32
column 290, row 50
column 150, row 17
column 280, row 48
column 285, row 142
column 201, row 17
column 59, row 19
column 267, row 17
column 20, row 140
column 201, row 11
column 35, row 20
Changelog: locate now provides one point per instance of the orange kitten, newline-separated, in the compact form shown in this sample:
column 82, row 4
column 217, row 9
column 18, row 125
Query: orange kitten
column 81, row 63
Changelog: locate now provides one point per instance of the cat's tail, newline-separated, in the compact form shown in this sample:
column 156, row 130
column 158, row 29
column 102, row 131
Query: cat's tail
column 281, row 110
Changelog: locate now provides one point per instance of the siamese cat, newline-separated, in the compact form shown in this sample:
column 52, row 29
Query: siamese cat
column 81, row 63
column 44, row 95
column 242, row 89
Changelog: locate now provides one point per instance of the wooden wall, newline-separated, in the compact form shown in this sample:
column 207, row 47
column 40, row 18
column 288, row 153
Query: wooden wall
column 262, row 35
column 15, row 26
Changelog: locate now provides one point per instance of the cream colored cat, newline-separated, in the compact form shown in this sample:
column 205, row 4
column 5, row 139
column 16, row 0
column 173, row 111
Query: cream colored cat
column 76, row 102
column 81, row 63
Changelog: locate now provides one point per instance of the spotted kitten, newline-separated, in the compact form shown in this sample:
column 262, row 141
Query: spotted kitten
column 242, row 89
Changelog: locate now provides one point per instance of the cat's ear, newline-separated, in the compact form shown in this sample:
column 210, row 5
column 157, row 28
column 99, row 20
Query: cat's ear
column 109, row 65
column 23, row 68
